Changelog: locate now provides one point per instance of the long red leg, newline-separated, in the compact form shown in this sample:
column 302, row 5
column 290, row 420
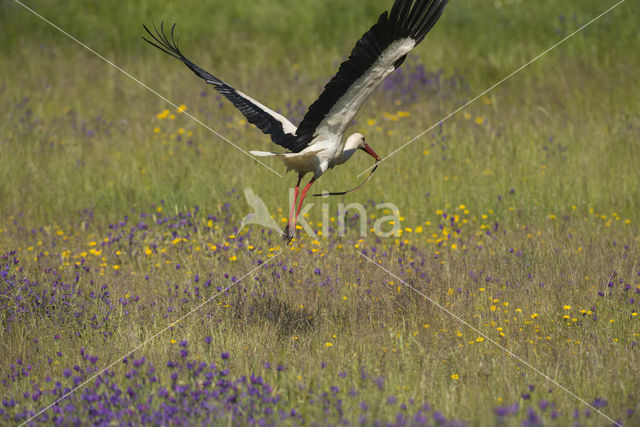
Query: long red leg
column 302, row 196
column 290, row 229
column 296, row 191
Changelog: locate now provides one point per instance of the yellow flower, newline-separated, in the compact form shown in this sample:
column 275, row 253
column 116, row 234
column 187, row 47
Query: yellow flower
column 163, row 115
column 181, row 108
column 328, row 344
column 480, row 339
column 172, row 341
column 157, row 130
column 534, row 315
column 116, row 267
column 455, row 377
column 567, row 307
column 479, row 120
column 233, row 258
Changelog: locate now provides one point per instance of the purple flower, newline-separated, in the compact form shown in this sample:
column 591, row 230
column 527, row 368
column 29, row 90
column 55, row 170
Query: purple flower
column 225, row 355
column 501, row 411
column 139, row 362
column 208, row 340
column 599, row 403
column 438, row 417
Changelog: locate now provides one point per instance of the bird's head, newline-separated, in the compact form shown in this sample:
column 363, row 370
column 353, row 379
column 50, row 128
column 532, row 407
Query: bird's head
column 358, row 141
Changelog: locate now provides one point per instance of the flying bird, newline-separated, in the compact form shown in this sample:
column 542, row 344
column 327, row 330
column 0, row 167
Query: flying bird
column 318, row 143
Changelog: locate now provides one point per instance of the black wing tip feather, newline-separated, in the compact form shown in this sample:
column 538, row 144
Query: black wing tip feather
column 169, row 45
column 428, row 19
column 162, row 41
column 254, row 114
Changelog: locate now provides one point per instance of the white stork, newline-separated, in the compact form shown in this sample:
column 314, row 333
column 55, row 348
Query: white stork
column 317, row 145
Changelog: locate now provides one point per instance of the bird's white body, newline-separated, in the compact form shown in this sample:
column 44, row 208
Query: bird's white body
column 319, row 156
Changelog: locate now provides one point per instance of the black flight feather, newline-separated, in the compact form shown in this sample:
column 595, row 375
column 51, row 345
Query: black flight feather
column 408, row 18
column 254, row 114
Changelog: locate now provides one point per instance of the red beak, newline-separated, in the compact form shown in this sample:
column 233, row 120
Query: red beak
column 372, row 153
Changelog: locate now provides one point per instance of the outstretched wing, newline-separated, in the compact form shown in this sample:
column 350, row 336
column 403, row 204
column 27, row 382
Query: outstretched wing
column 281, row 130
column 376, row 55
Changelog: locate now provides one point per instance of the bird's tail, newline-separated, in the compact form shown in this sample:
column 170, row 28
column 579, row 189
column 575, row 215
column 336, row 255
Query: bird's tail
column 262, row 154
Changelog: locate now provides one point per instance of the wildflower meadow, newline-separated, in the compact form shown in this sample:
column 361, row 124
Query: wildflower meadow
column 488, row 274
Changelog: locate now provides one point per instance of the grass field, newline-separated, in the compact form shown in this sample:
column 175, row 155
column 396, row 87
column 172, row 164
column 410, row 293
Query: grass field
column 516, row 230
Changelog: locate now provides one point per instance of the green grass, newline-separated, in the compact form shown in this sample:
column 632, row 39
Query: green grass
column 550, row 157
